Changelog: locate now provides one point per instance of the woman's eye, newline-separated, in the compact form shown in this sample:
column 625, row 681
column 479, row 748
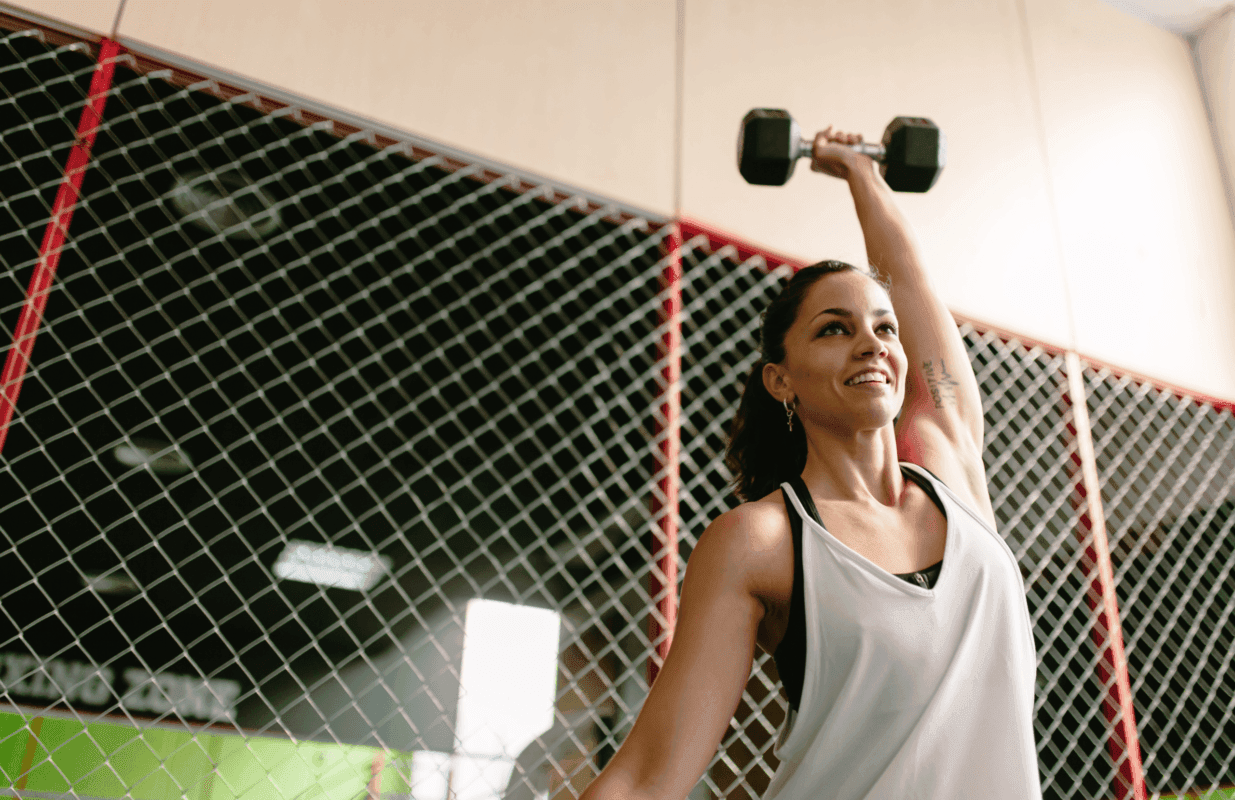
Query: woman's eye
column 839, row 327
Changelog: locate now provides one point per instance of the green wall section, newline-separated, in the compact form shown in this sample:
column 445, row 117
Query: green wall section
column 110, row 760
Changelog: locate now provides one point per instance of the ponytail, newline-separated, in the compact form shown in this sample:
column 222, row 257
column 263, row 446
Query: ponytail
column 763, row 453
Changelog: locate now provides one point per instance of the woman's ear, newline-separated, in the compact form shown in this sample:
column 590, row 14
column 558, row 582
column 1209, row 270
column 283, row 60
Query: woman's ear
column 776, row 381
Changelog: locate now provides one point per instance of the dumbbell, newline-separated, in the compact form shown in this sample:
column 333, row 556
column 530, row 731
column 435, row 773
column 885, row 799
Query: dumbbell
column 910, row 158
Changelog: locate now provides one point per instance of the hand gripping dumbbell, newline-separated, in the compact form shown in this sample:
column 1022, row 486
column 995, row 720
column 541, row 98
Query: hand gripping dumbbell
column 911, row 156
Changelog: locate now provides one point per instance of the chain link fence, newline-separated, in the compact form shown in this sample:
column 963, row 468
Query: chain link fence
column 316, row 408
column 1169, row 490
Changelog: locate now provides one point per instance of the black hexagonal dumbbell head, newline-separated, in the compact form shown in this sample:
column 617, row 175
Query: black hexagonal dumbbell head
column 769, row 144
column 915, row 152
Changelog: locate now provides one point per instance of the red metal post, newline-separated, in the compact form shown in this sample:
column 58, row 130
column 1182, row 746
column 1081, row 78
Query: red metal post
column 18, row 359
column 34, row 728
column 1124, row 746
column 663, row 584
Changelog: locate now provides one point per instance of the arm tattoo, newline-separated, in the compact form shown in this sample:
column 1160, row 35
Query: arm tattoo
column 941, row 383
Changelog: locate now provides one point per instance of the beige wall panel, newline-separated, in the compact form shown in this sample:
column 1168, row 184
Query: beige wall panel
column 1215, row 53
column 96, row 16
column 985, row 227
column 1123, row 190
column 1144, row 219
column 564, row 89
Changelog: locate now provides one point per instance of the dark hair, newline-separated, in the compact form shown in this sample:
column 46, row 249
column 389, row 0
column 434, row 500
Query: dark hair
column 763, row 452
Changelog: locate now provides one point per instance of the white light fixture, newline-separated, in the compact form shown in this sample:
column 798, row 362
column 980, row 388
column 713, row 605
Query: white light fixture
column 507, row 692
column 113, row 583
column 328, row 565
column 162, row 457
column 224, row 202
column 430, row 775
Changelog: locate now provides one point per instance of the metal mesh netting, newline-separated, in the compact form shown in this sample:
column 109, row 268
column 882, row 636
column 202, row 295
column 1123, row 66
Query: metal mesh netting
column 1169, row 491
column 263, row 334
column 42, row 91
column 269, row 336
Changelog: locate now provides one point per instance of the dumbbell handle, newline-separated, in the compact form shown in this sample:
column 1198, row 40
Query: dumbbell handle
column 806, row 149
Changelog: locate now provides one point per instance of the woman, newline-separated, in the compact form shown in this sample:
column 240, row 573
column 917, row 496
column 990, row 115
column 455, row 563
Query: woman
column 865, row 557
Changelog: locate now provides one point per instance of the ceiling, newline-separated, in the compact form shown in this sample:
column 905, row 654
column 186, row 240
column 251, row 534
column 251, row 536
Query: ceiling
column 1185, row 17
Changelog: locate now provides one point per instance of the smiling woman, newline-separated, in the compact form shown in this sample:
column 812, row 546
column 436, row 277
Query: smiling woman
column 871, row 616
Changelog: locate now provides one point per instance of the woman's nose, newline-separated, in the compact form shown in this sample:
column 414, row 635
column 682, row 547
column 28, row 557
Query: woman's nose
column 868, row 342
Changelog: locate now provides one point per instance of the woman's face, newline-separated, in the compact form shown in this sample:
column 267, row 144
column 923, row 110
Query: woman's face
column 845, row 326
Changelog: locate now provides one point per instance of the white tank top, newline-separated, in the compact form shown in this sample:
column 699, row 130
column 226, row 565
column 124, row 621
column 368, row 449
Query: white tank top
column 912, row 693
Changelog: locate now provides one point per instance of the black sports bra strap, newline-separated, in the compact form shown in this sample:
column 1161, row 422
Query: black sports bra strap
column 808, row 502
column 926, row 485
column 790, row 655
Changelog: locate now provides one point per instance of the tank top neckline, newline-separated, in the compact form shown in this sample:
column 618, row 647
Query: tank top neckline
column 812, row 516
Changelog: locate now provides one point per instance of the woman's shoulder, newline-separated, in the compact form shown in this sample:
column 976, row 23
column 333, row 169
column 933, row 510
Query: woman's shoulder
column 766, row 516
column 753, row 533
column 750, row 546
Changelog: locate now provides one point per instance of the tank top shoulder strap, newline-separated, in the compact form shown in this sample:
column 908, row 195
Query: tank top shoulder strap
column 803, row 495
column 790, row 655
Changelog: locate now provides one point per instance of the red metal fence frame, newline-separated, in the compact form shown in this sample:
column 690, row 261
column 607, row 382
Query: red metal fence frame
column 1117, row 704
column 662, row 585
column 18, row 359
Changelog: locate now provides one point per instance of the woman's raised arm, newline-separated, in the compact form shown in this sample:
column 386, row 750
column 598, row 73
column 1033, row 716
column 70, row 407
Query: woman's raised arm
column 941, row 425
column 697, row 691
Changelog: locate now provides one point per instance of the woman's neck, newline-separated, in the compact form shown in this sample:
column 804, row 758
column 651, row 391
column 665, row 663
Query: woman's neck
column 862, row 468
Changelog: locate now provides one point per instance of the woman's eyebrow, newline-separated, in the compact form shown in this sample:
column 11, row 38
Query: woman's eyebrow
column 842, row 312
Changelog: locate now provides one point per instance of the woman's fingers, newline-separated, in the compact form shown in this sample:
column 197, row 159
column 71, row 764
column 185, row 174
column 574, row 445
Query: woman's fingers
column 840, row 137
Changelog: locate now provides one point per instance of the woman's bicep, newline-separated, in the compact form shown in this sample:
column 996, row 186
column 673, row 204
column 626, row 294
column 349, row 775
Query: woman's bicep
column 940, row 380
column 697, row 691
